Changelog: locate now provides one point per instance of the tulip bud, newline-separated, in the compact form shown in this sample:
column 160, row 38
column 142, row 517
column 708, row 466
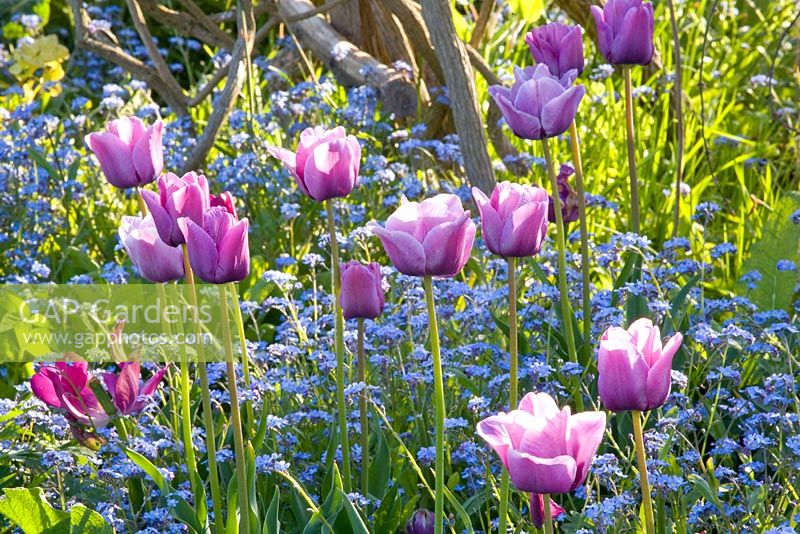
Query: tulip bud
column 558, row 46
column 422, row 522
column 634, row 370
column 625, row 31
column 514, row 220
column 568, row 197
column 130, row 155
column 362, row 294
column 326, row 162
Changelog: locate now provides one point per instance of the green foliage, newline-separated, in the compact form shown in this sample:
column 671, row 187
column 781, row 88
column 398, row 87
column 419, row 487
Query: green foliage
column 29, row 510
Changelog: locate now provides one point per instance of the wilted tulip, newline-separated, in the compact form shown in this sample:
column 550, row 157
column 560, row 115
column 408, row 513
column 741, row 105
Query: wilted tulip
column 66, row 385
column 181, row 196
column 429, row 238
column 558, row 46
column 539, row 105
column 156, row 260
column 544, row 449
column 570, row 209
column 537, row 509
column 625, row 31
column 126, row 391
column 362, row 294
column 219, row 251
column 326, row 162
column 129, row 153
column 634, row 370
column 422, row 522
column 514, row 220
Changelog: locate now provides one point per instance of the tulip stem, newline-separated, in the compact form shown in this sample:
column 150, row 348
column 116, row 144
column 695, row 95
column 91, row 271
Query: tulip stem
column 237, row 314
column 236, row 417
column 208, row 416
column 341, row 407
column 631, row 150
column 186, row 408
column 561, row 238
column 587, row 297
column 362, row 411
column 548, row 515
column 641, row 458
column 513, row 373
column 438, row 398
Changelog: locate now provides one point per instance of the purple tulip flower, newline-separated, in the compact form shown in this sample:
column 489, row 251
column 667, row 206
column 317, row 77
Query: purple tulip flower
column 65, row 385
column 128, row 394
column 625, row 31
column 539, row 105
column 156, row 260
column 537, row 509
column 218, row 249
column 558, row 46
column 326, row 162
column 422, row 522
column 634, row 369
column 544, row 449
column 570, row 210
column 429, row 238
column 362, row 293
column 130, row 154
column 514, row 220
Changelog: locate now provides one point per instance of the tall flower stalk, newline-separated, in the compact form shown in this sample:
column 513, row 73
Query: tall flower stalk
column 631, row 137
column 237, row 314
column 438, row 400
column 338, row 333
column 205, row 395
column 236, row 416
column 563, row 290
column 513, row 377
column 641, row 460
column 579, row 185
column 362, row 410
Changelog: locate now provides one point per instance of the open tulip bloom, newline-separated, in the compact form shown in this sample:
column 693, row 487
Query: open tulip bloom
column 156, row 260
column 130, row 154
column 545, row 450
column 429, row 238
column 634, row 369
column 625, row 31
column 65, row 385
column 514, row 219
column 127, row 392
column 219, row 251
column 539, row 105
column 326, row 162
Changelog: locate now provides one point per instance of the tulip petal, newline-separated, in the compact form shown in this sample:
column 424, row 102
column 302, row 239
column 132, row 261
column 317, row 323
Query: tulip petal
column 201, row 249
column 622, row 380
column 584, row 434
column 127, row 387
column 491, row 225
column 539, row 405
column 633, row 43
column 659, row 378
column 494, row 431
column 148, row 154
column 42, row 387
column 234, row 254
column 359, row 297
column 558, row 113
column 445, row 244
column 541, row 475
column 167, row 229
column 537, row 509
column 115, row 159
column 522, row 124
column 406, row 253
column 329, row 171
column 524, row 231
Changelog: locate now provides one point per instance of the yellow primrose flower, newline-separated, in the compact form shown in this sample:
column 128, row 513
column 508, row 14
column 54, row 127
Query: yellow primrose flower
column 44, row 53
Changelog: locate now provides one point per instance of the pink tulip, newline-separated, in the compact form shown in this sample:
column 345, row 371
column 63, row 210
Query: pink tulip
column 156, row 260
column 218, row 250
column 537, row 509
column 127, row 393
column 130, row 155
column 544, row 449
column 634, row 369
column 178, row 196
column 326, row 162
column 65, row 385
column 558, row 46
column 429, row 238
column 514, row 220
column 362, row 293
